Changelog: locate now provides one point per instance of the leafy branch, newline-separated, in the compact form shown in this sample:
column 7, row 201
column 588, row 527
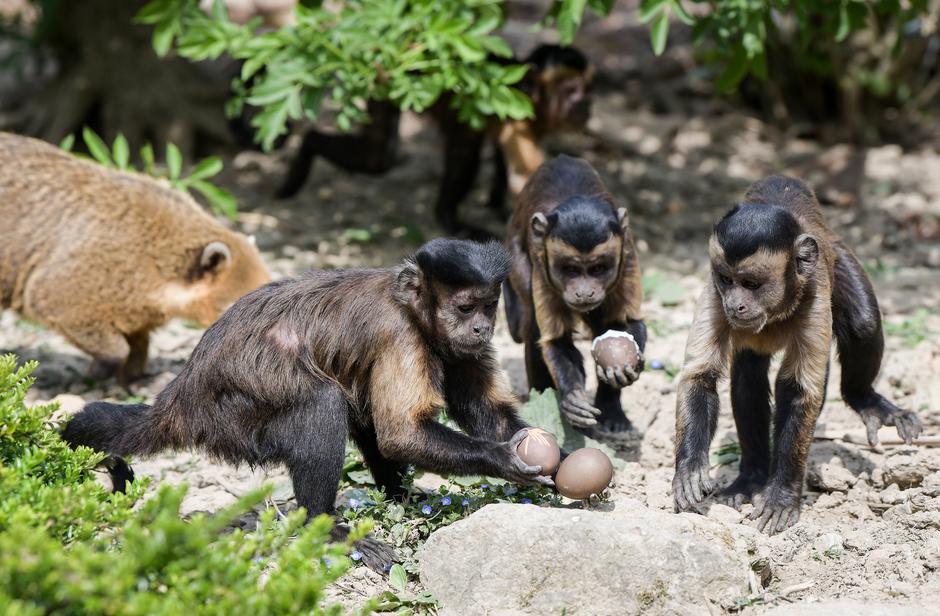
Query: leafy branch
column 118, row 157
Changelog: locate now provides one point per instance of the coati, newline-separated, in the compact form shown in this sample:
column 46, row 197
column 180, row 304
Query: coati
column 106, row 256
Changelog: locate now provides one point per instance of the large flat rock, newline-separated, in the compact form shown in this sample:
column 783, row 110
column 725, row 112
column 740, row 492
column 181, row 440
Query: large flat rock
column 522, row 559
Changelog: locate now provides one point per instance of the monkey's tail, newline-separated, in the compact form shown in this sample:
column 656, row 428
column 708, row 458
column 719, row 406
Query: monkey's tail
column 116, row 429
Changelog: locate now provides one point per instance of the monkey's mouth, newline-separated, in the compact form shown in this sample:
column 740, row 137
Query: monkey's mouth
column 585, row 306
column 755, row 323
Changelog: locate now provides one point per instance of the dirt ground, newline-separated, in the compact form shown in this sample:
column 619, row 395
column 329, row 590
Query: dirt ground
column 677, row 157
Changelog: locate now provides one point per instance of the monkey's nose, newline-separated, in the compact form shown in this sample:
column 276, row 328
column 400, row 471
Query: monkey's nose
column 742, row 308
column 477, row 329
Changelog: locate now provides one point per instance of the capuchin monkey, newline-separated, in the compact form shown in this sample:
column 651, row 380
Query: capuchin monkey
column 574, row 264
column 294, row 368
column 781, row 281
column 559, row 86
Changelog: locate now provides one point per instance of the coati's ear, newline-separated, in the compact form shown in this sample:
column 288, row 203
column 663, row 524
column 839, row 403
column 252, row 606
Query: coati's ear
column 806, row 250
column 216, row 256
column 407, row 286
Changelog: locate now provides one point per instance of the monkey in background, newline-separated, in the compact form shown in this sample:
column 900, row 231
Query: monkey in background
column 104, row 256
column 574, row 265
column 558, row 83
column 294, row 368
column 780, row 281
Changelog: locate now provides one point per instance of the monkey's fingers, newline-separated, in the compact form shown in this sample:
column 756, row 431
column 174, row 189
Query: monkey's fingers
column 518, row 437
column 909, row 426
column 872, row 423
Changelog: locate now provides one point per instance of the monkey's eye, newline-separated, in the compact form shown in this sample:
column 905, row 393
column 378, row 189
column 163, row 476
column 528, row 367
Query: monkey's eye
column 492, row 304
column 597, row 270
column 725, row 280
column 751, row 284
column 570, row 270
column 466, row 308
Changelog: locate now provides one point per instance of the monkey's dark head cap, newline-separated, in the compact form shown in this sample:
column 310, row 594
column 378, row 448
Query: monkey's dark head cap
column 584, row 222
column 752, row 226
column 463, row 263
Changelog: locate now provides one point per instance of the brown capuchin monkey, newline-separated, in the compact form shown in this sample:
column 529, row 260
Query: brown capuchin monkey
column 781, row 281
column 574, row 266
column 294, row 368
column 558, row 82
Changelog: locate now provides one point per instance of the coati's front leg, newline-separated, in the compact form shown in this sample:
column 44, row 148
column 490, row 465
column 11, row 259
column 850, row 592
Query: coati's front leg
column 566, row 365
column 108, row 348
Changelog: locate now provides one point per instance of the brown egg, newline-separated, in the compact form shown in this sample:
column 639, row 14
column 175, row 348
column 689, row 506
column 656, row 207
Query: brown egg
column 615, row 349
column 585, row 472
column 540, row 448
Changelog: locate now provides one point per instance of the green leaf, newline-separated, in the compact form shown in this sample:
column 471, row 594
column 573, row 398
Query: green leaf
column 569, row 18
column 220, row 200
column 67, row 143
column 734, row 72
column 845, row 26
column 97, row 147
column 397, row 578
column 146, row 155
column 681, row 13
column 206, row 168
column 650, row 9
column 174, row 161
column 659, row 32
column 121, row 152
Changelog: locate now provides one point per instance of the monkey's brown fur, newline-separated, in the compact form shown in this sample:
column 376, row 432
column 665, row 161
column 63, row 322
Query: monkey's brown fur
column 105, row 256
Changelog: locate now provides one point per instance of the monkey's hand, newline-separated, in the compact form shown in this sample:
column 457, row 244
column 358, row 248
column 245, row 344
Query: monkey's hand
column 886, row 414
column 516, row 470
column 776, row 508
column 690, row 485
column 620, row 376
column 578, row 411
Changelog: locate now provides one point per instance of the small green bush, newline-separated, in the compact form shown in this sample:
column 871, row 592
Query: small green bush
column 68, row 546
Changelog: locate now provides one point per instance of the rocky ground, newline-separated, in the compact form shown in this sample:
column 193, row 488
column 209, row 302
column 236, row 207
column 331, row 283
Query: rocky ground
column 677, row 157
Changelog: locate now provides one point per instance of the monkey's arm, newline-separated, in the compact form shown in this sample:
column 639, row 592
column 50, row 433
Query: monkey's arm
column 566, row 365
column 799, row 394
column 697, row 402
column 481, row 403
column 518, row 292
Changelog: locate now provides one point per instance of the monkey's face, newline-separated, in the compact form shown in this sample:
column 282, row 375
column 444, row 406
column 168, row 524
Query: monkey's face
column 565, row 100
column 584, row 277
column 755, row 290
column 466, row 317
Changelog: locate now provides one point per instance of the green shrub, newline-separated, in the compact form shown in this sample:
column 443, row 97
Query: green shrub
column 68, row 546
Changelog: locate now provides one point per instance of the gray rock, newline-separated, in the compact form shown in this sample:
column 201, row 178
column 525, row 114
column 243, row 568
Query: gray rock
column 517, row 559
column 830, row 477
column 853, row 607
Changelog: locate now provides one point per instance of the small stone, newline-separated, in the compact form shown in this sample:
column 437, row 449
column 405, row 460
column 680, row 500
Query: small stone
column 829, row 541
column 830, row 477
column 724, row 513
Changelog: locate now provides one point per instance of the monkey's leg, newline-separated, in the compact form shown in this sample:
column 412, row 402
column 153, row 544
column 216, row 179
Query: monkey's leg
column 750, row 402
column 499, row 185
column 517, row 291
column 856, row 322
column 387, row 473
column 777, row 506
column 536, row 370
column 139, row 342
column 462, row 147
column 373, row 150
column 311, row 440
column 696, row 422
column 566, row 365
column 612, row 420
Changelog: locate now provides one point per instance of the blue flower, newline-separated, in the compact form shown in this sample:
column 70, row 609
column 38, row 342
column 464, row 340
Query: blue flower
column 356, row 555
column 465, row 502
column 426, row 510
column 354, row 503
column 526, row 501
column 656, row 364
column 387, row 567
column 484, row 485
column 446, row 501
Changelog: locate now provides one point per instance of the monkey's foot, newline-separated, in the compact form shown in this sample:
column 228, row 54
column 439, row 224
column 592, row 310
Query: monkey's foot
column 742, row 489
column 690, row 486
column 578, row 411
column 120, row 472
column 612, row 426
column 375, row 554
column 882, row 413
column 776, row 509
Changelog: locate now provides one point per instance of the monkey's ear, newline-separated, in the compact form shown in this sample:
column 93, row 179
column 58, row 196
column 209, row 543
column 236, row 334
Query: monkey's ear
column 407, row 287
column 806, row 249
column 540, row 225
column 623, row 217
column 215, row 257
